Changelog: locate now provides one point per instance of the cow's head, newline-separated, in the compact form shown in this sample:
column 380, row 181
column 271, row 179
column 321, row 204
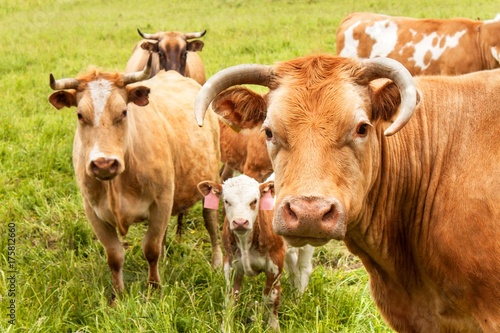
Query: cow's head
column 172, row 47
column 101, row 101
column 242, row 198
column 324, row 121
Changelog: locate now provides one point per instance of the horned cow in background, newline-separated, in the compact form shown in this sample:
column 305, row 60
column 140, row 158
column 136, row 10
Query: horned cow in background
column 172, row 50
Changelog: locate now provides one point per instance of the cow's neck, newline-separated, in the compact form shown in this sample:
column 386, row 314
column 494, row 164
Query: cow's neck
column 246, row 243
column 396, row 207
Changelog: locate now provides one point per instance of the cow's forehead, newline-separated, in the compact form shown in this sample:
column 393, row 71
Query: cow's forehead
column 241, row 187
column 330, row 112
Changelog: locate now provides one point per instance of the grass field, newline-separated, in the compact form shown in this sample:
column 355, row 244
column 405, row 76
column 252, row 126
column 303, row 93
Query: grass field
column 54, row 276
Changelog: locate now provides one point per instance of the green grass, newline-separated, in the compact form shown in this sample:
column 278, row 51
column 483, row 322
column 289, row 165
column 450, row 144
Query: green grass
column 62, row 279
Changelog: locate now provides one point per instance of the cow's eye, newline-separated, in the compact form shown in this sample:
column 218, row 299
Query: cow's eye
column 269, row 134
column 80, row 116
column 362, row 129
column 124, row 113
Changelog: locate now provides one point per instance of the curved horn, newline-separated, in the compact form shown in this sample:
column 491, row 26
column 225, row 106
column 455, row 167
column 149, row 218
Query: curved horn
column 139, row 76
column 235, row 75
column 395, row 71
column 155, row 36
column 191, row 35
column 62, row 84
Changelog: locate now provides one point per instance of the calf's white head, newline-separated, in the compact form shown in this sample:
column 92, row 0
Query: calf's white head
column 242, row 197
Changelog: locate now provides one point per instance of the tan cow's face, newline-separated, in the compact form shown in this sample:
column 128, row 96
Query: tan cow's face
column 321, row 148
column 101, row 109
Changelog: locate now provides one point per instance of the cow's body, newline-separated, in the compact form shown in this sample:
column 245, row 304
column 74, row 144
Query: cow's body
column 424, row 46
column 245, row 152
column 251, row 246
column 139, row 162
column 421, row 209
column 171, row 50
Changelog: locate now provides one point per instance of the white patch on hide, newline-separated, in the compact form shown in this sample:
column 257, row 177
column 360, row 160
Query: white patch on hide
column 432, row 43
column 99, row 93
column 350, row 44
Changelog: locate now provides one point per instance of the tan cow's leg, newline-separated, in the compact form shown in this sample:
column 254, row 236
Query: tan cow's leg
column 114, row 250
column 211, row 219
column 153, row 241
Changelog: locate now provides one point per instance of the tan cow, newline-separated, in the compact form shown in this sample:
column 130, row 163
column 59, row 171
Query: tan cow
column 136, row 156
column 418, row 202
column 424, row 46
column 172, row 50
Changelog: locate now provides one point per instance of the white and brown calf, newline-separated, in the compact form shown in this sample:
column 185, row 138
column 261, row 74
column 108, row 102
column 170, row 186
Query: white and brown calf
column 251, row 246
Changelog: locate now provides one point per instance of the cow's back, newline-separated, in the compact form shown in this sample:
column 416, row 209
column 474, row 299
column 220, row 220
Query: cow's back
column 194, row 150
column 423, row 46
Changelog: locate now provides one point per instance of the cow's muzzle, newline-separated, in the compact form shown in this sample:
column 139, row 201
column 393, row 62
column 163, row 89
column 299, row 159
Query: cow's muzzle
column 105, row 168
column 310, row 220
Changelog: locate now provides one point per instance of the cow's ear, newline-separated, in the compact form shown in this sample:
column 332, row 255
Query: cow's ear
column 63, row 98
column 267, row 187
column 195, row 45
column 241, row 107
column 207, row 186
column 149, row 46
column 139, row 95
column 386, row 98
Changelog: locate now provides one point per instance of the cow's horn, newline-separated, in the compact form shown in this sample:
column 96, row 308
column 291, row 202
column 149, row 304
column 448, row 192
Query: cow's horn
column 63, row 83
column 139, row 76
column 191, row 35
column 235, row 75
column 149, row 36
column 395, row 71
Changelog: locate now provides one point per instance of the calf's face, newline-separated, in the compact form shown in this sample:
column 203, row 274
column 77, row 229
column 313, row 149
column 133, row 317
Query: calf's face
column 242, row 197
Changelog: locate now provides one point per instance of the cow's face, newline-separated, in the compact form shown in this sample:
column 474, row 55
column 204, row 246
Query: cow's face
column 322, row 149
column 323, row 120
column 241, row 197
column 172, row 49
column 101, row 108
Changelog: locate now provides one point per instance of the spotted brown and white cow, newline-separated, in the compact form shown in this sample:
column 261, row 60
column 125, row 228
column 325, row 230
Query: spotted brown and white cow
column 136, row 156
column 418, row 202
column 171, row 50
column 251, row 246
column 423, row 46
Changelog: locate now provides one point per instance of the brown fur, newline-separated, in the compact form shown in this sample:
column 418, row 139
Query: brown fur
column 420, row 208
column 243, row 151
column 173, row 44
column 472, row 54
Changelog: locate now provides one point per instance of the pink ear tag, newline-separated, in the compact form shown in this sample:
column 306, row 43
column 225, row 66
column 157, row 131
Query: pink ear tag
column 267, row 201
column 211, row 201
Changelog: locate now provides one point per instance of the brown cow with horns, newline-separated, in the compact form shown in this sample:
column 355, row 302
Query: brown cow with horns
column 136, row 156
column 171, row 50
column 418, row 202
